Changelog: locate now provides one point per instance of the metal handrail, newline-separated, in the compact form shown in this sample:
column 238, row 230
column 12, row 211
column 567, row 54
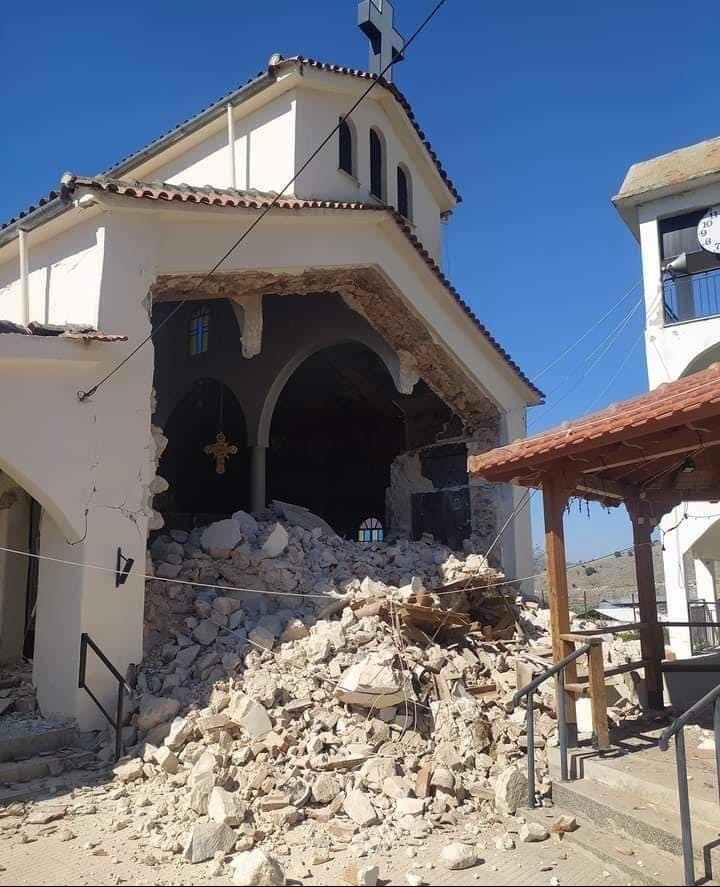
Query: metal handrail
column 677, row 730
column 528, row 691
column 123, row 687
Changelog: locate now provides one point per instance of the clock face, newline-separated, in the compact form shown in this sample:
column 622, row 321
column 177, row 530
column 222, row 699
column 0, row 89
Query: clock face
column 708, row 230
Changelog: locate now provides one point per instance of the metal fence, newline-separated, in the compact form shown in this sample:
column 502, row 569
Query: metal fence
column 706, row 636
column 691, row 296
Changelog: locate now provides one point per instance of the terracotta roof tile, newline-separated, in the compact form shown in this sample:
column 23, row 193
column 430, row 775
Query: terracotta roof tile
column 657, row 410
column 209, row 196
column 53, row 195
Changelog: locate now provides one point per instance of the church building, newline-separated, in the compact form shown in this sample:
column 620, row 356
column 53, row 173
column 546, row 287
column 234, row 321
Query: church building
column 327, row 362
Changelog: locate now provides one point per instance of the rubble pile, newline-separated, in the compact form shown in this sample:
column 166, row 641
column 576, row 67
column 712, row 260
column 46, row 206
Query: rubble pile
column 17, row 693
column 359, row 693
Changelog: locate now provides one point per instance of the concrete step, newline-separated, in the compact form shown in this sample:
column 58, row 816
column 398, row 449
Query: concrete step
column 649, row 774
column 643, row 864
column 40, row 766
column 630, row 816
column 31, row 743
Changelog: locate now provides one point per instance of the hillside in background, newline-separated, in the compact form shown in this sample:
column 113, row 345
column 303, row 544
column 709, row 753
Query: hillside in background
column 609, row 578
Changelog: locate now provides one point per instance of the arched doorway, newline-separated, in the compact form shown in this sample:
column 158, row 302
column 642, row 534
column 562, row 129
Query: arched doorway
column 198, row 492
column 336, row 429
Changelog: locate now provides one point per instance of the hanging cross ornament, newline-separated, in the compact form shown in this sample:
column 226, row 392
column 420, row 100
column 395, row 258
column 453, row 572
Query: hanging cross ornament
column 220, row 451
column 375, row 20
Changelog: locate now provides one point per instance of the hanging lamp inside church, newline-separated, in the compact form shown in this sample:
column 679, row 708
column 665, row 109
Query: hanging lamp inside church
column 221, row 449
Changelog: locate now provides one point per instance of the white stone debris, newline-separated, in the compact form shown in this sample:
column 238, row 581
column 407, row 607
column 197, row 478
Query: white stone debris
column 533, row 832
column 255, row 868
column 357, row 698
column 459, row 856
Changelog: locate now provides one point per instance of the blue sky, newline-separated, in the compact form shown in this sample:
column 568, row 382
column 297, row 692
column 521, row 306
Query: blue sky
column 536, row 111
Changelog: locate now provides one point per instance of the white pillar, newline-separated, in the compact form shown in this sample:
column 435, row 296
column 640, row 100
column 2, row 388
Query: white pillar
column 258, row 462
column 675, row 586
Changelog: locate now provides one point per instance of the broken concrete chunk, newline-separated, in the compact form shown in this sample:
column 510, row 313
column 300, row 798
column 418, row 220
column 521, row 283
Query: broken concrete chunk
column 166, row 759
column 360, row 873
column 247, row 523
column 255, row 868
column 276, row 542
column 459, row 856
column 219, row 539
column 130, row 770
column 181, row 730
column 226, row 807
column 325, row 788
column 374, row 683
column 533, row 832
column 156, row 710
column 206, row 632
column 564, row 824
column 205, row 839
column 295, row 630
column 262, row 637
column 511, row 790
column 250, row 715
column 359, row 808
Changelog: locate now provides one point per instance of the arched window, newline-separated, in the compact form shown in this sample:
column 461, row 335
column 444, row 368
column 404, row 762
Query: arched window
column 371, row 530
column 377, row 166
column 199, row 331
column 345, row 148
column 404, row 193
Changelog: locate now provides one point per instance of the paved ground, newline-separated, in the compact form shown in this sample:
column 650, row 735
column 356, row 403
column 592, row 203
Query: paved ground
column 85, row 851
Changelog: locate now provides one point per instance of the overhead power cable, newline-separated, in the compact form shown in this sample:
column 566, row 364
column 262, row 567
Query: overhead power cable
column 84, row 395
column 587, row 332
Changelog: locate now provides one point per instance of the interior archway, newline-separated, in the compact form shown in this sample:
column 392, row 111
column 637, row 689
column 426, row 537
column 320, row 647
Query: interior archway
column 198, row 493
column 336, row 429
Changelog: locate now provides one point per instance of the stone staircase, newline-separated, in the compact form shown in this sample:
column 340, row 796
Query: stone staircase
column 35, row 750
column 625, row 801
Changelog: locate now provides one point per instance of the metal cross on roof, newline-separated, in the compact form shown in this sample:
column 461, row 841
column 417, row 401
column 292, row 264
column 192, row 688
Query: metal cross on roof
column 375, row 20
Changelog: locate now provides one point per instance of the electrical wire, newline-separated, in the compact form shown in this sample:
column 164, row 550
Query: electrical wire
column 598, row 352
column 587, row 332
column 85, row 395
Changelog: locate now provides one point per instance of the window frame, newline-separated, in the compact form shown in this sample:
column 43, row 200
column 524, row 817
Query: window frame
column 346, row 136
column 403, row 171
column 375, row 133
column 199, row 331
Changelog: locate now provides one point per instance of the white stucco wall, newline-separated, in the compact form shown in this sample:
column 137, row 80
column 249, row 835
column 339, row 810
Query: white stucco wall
column 64, row 277
column 264, row 151
column 88, row 463
column 318, row 112
column 273, row 140
column 190, row 240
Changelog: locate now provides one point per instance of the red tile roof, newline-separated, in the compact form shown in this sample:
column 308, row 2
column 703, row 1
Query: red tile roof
column 675, row 403
column 53, row 195
column 220, row 197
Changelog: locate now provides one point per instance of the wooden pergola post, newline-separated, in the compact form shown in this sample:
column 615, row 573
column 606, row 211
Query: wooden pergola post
column 651, row 639
column 555, row 499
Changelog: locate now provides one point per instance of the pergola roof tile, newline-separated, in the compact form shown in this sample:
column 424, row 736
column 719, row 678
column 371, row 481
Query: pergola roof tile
column 667, row 406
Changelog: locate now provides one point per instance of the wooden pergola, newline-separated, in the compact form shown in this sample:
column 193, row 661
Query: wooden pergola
column 649, row 453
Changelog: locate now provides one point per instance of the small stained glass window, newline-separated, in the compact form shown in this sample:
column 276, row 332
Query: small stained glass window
column 371, row 530
column 199, row 331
